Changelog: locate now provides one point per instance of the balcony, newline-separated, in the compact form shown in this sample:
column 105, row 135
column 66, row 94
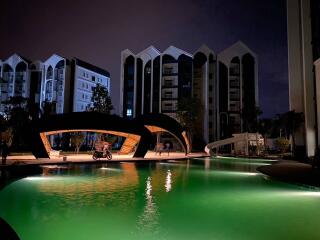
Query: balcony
column 234, row 84
column 170, row 70
column 234, row 108
column 234, row 97
column 169, row 106
column 169, row 94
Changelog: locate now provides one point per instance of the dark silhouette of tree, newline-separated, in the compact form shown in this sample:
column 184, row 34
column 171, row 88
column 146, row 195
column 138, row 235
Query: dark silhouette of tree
column 101, row 101
column 265, row 128
column 48, row 108
column 188, row 114
column 290, row 122
column 250, row 118
column 18, row 120
column 76, row 140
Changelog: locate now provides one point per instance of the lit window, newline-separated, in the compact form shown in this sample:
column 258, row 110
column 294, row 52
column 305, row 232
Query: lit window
column 129, row 112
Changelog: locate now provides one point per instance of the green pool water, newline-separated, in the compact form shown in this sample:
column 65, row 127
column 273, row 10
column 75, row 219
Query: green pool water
column 217, row 198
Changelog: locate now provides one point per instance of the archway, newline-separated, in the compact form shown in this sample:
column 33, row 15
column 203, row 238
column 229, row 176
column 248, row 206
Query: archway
column 137, row 132
column 136, row 135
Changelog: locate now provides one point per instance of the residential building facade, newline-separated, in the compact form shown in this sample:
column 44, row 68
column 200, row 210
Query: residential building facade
column 204, row 88
column 238, row 89
column 55, row 87
column 15, row 79
column 86, row 77
column 154, row 81
column 66, row 84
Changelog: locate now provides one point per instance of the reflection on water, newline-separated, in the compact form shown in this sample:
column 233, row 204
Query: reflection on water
column 230, row 164
column 148, row 220
column 168, row 181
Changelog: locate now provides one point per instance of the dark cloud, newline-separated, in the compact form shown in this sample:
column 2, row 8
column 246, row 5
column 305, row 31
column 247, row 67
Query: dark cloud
column 98, row 30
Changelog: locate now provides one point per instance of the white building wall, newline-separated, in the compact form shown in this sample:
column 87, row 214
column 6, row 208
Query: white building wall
column 51, row 91
column 301, row 85
column 84, row 82
column 18, row 82
column 317, row 76
column 239, row 49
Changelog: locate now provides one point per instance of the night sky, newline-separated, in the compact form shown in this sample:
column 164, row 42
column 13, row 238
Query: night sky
column 97, row 30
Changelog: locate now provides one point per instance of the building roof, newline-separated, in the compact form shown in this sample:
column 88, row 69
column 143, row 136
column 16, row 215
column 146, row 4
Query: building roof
column 149, row 53
column 55, row 58
column 127, row 53
column 176, row 52
column 91, row 67
column 237, row 49
column 205, row 50
column 15, row 58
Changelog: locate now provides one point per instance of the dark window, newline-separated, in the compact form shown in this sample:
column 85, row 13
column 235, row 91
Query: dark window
column 93, row 78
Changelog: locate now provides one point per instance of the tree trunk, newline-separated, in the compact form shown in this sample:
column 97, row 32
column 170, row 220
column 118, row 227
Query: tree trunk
column 77, row 149
column 293, row 145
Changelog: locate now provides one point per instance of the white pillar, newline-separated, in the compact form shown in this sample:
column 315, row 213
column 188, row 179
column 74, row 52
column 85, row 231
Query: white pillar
column 317, row 75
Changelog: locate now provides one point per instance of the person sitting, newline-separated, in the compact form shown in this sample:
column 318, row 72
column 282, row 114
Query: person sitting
column 4, row 152
column 98, row 146
column 106, row 147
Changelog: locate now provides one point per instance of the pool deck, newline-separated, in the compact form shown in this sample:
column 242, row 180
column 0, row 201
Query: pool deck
column 87, row 158
column 293, row 172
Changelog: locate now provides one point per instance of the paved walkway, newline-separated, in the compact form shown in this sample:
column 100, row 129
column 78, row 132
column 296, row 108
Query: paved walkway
column 86, row 158
column 293, row 172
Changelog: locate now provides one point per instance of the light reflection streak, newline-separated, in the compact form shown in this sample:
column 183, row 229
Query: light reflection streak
column 149, row 219
column 239, row 173
column 299, row 194
column 168, row 181
column 42, row 178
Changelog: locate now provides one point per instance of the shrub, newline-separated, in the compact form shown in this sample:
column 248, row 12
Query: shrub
column 282, row 144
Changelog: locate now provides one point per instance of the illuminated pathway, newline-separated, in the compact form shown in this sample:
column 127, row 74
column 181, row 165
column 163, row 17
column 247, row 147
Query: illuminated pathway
column 29, row 159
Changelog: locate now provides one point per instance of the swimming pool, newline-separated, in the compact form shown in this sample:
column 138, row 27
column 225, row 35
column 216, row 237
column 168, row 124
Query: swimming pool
column 208, row 198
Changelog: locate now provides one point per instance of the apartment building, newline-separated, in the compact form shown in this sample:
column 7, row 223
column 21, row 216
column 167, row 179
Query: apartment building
column 67, row 84
column 86, row 77
column 15, row 78
column 237, row 88
column 224, row 84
